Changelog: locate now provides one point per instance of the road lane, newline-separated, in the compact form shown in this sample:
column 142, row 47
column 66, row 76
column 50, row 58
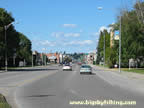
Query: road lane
column 12, row 80
column 57, row 90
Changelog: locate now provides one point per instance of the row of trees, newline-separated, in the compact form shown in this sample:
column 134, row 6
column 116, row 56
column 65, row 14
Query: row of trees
column 132, row 32
column 18, row 45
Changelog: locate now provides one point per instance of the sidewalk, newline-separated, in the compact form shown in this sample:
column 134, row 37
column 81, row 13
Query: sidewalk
column 2, row 71
column 128, row 80
column 17, row 68
column 130, row 75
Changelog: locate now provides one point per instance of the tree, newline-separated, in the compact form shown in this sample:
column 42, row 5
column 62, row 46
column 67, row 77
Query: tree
column 132, row 33
column 100, row 47
column 17, row 43
column 67, row 59
column 24, row 52
column 5, row 19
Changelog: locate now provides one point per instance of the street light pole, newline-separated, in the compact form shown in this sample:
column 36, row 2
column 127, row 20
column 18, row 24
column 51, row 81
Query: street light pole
column 32, row 59
column 6, row 59
column 42, row 59
column 6, row 62
column 120, row 45
column 45, row 59
column 104, row 48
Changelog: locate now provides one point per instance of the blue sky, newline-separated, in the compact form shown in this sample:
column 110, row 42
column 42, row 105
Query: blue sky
column 63, row 25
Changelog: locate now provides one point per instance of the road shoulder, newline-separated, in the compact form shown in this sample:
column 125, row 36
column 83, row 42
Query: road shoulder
column 127, row 80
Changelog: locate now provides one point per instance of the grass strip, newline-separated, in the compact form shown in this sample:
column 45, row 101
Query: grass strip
column 3, row 102
column 138, row 70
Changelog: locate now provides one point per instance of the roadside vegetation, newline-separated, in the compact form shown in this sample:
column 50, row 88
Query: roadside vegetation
column 3, row 102
column 18, row 45
column 139, row 70
column 132, row 41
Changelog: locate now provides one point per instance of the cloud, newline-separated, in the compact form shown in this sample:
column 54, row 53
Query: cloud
column 104, row 28
column 60, row 34
column 101, row 29
column 99, row 8
column 47, row 43
column 44, row 49
column 69, row 25
column 84, row 42
column 72, row 35
column 57, row 34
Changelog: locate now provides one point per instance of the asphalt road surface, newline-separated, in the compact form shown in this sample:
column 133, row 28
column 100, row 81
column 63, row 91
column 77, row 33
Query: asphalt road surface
column 58, row 88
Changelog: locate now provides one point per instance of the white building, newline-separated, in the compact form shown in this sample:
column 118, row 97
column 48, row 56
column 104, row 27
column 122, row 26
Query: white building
column 91, row 57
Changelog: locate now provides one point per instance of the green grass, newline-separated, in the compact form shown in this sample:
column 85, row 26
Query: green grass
column 138, row 70
column 106, row 66
column 4, row 105
column 3, row 102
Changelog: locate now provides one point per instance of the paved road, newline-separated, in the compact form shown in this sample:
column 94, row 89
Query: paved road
column 58, row 89
column 11, row 81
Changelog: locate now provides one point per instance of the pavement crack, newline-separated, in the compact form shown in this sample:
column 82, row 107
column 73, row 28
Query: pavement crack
column 41, row 95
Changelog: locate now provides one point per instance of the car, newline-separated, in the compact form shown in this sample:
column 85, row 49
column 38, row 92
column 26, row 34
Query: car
column 67, row 67
column 79, row 63
column 86, row 69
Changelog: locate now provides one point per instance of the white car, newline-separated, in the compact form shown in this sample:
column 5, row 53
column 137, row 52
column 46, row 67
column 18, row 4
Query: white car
column 67, row 67
column 86, row 69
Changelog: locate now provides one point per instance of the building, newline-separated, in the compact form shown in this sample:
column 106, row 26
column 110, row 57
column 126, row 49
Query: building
column 37, row 60
column 111, row 38
column 53, row 57
column 91, row 57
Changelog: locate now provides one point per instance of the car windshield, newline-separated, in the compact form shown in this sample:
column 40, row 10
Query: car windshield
column 67, row 64
column 85, row 66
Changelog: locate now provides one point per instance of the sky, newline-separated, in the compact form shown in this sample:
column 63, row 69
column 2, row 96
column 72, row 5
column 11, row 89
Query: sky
column 64, row 25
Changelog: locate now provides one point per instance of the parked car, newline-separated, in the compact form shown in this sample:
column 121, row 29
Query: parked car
column 67, row 67
column 86, row 69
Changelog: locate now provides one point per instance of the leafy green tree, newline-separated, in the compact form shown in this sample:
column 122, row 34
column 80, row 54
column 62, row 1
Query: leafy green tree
column 12, row 39
column 17, row 43
column 67, row 59
column 24, row 52
column 132, row 34
column 100, row 48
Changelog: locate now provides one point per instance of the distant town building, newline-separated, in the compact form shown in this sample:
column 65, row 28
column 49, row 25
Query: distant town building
column 53, row 57
column 37, row 60
column 91, row 57
column 111, row 38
